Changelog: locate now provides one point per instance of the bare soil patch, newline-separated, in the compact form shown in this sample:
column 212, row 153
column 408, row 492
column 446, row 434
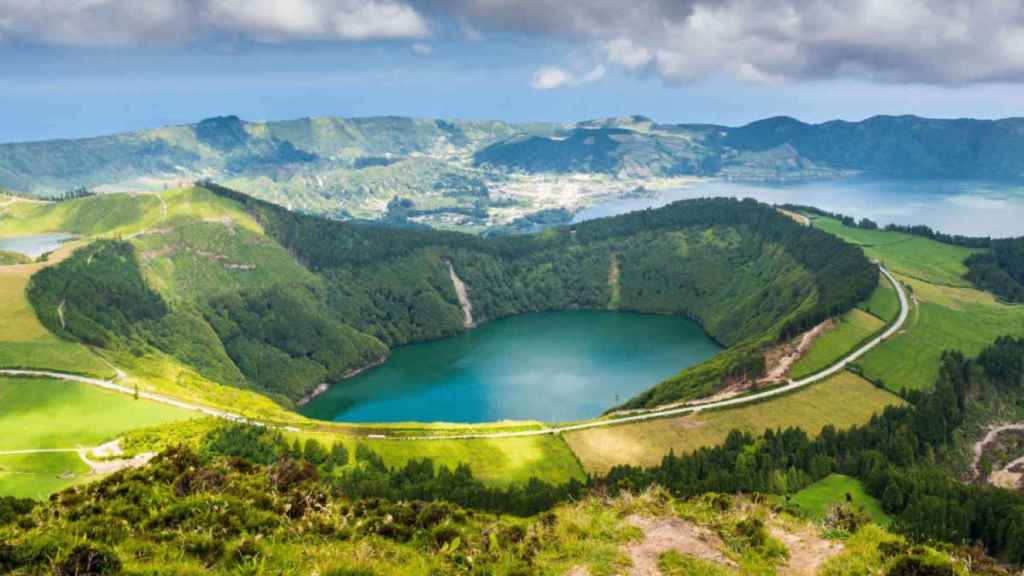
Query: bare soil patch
column 664, row 534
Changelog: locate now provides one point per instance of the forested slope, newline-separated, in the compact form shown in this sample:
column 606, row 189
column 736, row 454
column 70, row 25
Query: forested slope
column 285, row 301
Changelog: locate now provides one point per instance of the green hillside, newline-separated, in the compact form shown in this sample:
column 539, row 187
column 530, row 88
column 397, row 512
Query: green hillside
column 258, row 297
column 464, row 174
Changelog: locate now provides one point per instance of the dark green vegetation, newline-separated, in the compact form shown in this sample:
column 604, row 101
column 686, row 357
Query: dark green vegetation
column 745, row 271
column 8, row 258
column 1000, row 270
column 894, row 455
column 247, row 502
column 307, row 299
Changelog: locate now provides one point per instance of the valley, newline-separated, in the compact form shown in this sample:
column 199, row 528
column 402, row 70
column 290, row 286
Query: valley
column 212, row 264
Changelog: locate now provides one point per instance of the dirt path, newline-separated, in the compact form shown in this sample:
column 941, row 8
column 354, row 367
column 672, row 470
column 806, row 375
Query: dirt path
column 994, row 431
column 463, row 295
column 648, row 415
column 664, row 534
column 808, row 551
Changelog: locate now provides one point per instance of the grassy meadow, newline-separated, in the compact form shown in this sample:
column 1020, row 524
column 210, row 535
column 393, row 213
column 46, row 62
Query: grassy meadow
column 850, row 329
column 844, row 400
column 816, row 499
column 946, row 312
column 45, row 414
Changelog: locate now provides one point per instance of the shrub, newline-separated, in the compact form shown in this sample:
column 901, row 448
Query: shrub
column 350, row 571
column 914, row 565
column 87, row 560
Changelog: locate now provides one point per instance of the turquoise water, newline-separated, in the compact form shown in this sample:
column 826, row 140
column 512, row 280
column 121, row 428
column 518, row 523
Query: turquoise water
column 34, row 246
column 551, row 366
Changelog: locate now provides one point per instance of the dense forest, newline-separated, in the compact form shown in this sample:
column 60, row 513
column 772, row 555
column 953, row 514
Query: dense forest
column 895, row 454
column 350, row 291
column 740, row 268
column 1000, row 270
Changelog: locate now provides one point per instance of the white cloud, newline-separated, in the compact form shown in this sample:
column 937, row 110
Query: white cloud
column 908, row 41
column 134, row 22
column 422, row 49
column 280, row 20
column 551, row 77
column 625, row 53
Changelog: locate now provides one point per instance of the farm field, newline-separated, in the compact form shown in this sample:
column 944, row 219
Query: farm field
column 946, row 313
column 850, row 330
column 908, row 255
column 498, row 461
column 884, row 304
column 24, row 342
column 816, row 499
column 46, row 414
column 844, row 400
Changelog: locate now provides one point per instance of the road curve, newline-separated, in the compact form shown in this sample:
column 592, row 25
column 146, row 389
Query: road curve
column 651, row 415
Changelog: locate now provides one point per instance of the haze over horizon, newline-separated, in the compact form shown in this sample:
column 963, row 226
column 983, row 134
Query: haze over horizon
column 76, row 69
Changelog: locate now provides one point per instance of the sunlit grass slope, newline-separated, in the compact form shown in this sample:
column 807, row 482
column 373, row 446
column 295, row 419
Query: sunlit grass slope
column 843, row 401
column 946, row 312
column 40, row 414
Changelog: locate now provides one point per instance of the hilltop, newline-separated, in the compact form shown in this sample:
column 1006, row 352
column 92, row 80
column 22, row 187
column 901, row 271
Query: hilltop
column 477, row 174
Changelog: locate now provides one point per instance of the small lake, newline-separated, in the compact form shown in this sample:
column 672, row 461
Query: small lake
column 551, row 366
column 36, row 245
column 956, row 207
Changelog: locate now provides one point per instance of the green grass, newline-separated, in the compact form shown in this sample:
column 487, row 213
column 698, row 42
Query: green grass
column 884, row 303
column 945, row 319
column 849, row 330
column 672, row 563
column 498, row 461
column 39, row 475
column 816, row 499
column 948, row 313
column 25, row 342
column 38, row 413
column 117, row 214
column 843, row 400
column 45, row 414
column 58, row 356
column 913, row 256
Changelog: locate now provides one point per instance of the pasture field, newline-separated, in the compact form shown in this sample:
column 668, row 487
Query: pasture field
column 850, row 330
column 844, row 400
column 498, row 461
column 118, row 214
column 24, row 342
column 816, row 499
column 43, row 414
column 39, row 475
column 38, row 413
column 884, row 303
column 909, row 255
column 943, row 318
column 946, row 312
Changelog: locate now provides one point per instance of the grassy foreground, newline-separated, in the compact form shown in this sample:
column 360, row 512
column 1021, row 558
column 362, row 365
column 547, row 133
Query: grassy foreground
column 843, row 401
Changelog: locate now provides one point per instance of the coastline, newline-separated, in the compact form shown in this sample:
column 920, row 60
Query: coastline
column 325, row 386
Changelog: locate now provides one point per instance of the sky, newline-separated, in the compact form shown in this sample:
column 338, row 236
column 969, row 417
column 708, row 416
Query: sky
column 76, row 68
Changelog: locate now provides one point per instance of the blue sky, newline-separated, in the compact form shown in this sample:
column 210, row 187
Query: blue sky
column 102, row 66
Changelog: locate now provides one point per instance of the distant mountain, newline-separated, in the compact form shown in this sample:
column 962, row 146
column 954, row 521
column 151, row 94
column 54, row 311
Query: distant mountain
column 900, row 146
column 778, row 149
column 451, row 169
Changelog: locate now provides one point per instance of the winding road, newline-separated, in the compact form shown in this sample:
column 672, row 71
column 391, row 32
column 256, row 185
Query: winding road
column 650, row 415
